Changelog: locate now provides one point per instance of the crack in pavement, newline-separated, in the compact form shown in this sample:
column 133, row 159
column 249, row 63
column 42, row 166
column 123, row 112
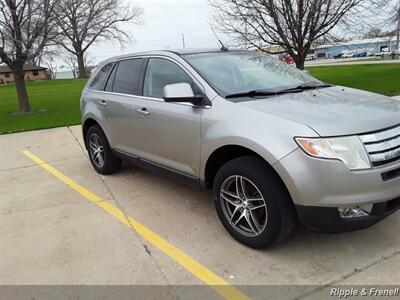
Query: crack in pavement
column 19, row 168
column 35, row 165
column 43, row 208
column 346, row 276
column 112, row 198
column 139, row 238
column 77, row 140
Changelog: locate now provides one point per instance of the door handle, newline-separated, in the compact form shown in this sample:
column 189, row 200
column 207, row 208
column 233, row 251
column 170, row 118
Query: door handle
column 143, row 111
column 102, row 102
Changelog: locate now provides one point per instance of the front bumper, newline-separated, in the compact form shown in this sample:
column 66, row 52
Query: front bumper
column 330, row 183
column 319, row 187
column 327, row 219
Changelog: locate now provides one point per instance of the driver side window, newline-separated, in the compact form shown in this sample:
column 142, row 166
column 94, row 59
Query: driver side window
column 161, row 72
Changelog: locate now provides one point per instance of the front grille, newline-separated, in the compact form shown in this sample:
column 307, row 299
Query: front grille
column 383, row 147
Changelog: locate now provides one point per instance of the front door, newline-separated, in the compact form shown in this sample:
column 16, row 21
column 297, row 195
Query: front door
column 167, row 134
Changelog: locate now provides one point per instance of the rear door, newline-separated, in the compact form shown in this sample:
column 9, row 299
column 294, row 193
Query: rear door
column 117, row 102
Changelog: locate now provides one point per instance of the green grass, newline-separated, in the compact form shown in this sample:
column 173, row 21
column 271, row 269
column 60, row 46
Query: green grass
column 54, row 103
column 377, row 78
column 359, row 60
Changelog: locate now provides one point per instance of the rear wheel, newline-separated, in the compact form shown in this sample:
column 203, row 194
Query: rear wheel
column 252, row 203
column 100, row 153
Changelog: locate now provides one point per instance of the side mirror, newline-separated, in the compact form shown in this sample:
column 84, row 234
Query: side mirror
column 181, row 92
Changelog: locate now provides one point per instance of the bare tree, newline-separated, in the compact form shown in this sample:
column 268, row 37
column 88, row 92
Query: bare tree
column 292, row 24
column 83, row 22
column 70, row 61
column 395, row 18
column 50, row 61
column 377, row 32
column 26, row 27
column 390, row 14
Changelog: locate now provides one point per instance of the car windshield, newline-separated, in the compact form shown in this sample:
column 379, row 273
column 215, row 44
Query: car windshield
column 233, row 73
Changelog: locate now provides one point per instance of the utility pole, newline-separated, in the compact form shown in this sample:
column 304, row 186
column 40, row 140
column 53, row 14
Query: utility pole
column 183, row 41
column 398, row 34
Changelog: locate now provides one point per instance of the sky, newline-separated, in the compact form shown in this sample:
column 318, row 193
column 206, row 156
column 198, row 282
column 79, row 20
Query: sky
column 164, row 23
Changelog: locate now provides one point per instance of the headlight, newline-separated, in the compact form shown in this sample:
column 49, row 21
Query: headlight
column 349, row 150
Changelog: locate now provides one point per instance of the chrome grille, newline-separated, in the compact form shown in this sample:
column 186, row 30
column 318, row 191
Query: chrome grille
column 383, row 147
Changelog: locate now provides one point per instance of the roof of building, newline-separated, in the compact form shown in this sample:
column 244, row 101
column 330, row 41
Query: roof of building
column 359, row 42
column 27, row 67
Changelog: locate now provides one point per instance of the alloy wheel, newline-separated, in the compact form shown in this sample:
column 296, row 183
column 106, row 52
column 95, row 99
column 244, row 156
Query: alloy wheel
column 243, row 205
column 96, row 150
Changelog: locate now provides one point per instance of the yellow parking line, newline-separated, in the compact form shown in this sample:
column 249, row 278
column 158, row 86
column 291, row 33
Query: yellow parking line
column 219, row 284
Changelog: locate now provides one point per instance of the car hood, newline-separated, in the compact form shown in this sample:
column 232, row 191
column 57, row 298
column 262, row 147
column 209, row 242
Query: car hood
column 332, row 111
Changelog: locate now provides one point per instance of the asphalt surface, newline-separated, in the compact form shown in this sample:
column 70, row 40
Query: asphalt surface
column 349, row 61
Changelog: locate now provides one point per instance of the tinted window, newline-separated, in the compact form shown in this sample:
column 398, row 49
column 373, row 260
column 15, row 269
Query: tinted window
column 161, row 72
column 98, row 82
column 127, row 76
column 110, row 81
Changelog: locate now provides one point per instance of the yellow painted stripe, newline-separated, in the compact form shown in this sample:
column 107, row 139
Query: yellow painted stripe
column 219, row 284
column 72, row 184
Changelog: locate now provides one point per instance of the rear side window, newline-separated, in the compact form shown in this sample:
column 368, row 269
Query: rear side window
column 127, row 76
column 98, row 82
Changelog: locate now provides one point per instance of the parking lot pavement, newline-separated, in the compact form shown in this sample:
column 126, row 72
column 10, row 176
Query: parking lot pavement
column 349, row 61
column 52, row 235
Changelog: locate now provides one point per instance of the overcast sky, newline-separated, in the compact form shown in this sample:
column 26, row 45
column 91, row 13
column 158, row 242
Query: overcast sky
column 164, row 23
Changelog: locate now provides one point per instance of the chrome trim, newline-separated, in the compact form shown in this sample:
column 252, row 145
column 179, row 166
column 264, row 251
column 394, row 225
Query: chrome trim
column 381, row 136
column 383, row 147
column 389, row 155
column 138, row 159
column 144, row 56
column 153, row 99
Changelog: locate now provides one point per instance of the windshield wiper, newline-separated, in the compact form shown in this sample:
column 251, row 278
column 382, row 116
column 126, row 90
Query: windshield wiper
column 252, row 93
column 304, row 87
column 312, row 86
column 297, row 89
column 256, row 93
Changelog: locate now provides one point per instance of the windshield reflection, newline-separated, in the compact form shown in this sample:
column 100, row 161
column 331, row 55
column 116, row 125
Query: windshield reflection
column 241, row 72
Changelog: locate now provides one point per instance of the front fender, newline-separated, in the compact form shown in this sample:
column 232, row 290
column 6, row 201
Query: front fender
column 228, row 123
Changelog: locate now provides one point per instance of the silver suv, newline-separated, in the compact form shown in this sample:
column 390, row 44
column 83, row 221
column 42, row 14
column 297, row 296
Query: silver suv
column 274, row 144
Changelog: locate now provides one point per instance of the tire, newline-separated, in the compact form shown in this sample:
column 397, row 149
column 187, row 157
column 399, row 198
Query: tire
column 259, row 227
column 108, row 163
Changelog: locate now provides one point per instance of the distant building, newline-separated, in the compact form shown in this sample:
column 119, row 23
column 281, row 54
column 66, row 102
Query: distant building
column 369, row 46
column 31, row 73
column 374, row 45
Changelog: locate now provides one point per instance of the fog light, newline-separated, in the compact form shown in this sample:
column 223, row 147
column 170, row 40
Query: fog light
column 352, row 212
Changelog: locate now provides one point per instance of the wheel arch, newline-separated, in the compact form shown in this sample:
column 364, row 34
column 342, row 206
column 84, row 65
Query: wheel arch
column 226, row 153
column 89, row 122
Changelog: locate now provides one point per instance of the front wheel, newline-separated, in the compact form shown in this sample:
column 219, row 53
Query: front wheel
column 252, row 203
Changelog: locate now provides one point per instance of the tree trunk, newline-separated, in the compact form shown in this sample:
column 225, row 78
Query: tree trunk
column 299, row 60
column 23, row 98
column 81, row 66
column 398, row 36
